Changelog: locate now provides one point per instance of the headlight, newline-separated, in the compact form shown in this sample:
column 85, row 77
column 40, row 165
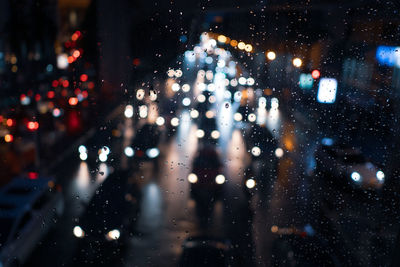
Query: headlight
column 128, row 111
column 82, row 149
column 160, row 121
column 256, row 151
column 186, row 101
column 103, row 157
column 250, row 183
column 186, row 87
column 83, row 156
column 211, row 99
column 140, row 94
column 194, row 114
column 129, row 152
column 237, row 116
column 380, row 176
column 220, row 179
column 152, row 152
column 192, row 178
column 78, row 232
column 201, row 98
column 252, row 117
column 200, row 133
column 355, row 176
column 175, row 122
column 215, row 134
column 210, row 114
column 279, row 152
column 113, row 235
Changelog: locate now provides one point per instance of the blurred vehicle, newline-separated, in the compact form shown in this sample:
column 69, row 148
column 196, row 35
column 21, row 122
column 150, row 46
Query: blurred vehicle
column 207, row 129
column 244, row 111
column 260, row 142
column 28, row 208
column 347, row 167
column 206, row 251
column 146, row 141
column 300, row 247
column 203, row 104
column 206, row 176
column 109, row 219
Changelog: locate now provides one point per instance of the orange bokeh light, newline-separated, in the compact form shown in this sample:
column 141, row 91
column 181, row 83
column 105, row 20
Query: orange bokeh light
column 8, row 138
column 76, row 54
column 73, row 101
column 10, row 122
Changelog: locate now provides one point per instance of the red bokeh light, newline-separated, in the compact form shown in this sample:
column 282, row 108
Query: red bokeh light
column 51, row 94
column 73, row 101
column 71, row 59
column 74, row 37
column 10, row 122
column 84, row 77
column 65, row 83
column 32, row 125
column 37, row 97
column 91, row 85
column 54, row 83
column 136, row 61
column 33, row 175
column 315, row 74
column 76, row 54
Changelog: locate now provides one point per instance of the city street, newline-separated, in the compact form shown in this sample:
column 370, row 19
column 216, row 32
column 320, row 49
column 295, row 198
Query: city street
column 199, row 134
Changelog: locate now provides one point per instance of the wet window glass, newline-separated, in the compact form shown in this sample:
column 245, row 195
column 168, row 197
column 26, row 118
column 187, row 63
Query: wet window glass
column 199, row 133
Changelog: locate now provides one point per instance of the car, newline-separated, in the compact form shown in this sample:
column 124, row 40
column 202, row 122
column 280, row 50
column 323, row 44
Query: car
column 207, row 129
column 206, row 251
column 260, row 142
column 207, row 173
column 301, row 247
column 347, row 168
column 108, row 221
column 28, row 210
column 145, row 143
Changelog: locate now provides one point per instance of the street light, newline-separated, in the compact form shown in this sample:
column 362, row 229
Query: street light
column 241, row 45
column 248, row 48
column 297, row 62
column 271, row 55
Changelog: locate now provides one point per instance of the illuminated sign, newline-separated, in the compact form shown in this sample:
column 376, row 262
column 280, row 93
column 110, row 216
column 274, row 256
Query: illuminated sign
column 327, row 90
column 388, row 55
column 306, row 81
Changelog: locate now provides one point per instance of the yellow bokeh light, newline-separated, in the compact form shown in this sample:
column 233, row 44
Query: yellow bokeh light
column 221, row 38
column 248, row 48
column 297, row 62
column 271, row 55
